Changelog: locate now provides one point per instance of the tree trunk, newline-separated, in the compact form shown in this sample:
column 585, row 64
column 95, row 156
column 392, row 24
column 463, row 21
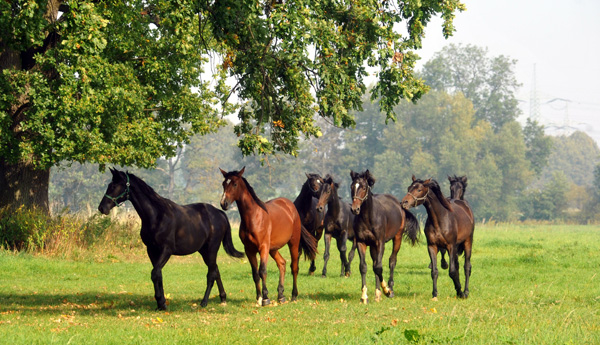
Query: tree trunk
column 22, row 185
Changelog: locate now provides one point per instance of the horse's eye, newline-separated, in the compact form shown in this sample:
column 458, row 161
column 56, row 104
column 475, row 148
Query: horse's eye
column 235, row 184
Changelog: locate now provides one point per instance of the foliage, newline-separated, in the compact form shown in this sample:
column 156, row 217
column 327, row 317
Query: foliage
column 489, row 82
column 539, row 145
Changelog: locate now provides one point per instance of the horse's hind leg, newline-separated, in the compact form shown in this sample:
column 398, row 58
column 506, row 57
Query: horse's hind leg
column 468, row 245
column 295, row 255
column 341, row 245
column 454, row 271
column 213, row 274
column 377, row 257
column 281, row 265
column 433, row 249
column 158, row 257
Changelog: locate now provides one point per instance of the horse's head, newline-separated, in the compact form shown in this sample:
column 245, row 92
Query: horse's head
column 117, row 191
column 315, row 181
column 231, row 187
column 458, row 184
column 360, row 188
column 326, row 192
column 417, row 193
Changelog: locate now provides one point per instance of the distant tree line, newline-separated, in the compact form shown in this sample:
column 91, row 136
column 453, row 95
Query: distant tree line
column 466, row 125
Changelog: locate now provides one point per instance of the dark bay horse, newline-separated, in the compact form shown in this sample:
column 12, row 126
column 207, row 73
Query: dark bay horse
column 458, row 185
column 339, row 224
column 379, row 218
column 172, row 229
column 306, row 204
column 448, row 226
column 264, row 229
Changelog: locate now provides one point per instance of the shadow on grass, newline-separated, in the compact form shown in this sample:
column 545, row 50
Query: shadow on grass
column 92, row 304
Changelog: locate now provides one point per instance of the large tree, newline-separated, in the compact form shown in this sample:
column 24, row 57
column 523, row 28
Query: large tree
column 126, row 82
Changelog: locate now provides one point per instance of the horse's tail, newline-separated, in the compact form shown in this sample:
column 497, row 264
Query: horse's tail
column 411, row 227
column 308, row 244
column 228, row 242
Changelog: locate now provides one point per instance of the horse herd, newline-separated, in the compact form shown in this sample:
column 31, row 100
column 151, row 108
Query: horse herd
column 370, row 220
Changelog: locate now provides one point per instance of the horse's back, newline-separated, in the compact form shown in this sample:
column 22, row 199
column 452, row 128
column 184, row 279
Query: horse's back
column 282, row 212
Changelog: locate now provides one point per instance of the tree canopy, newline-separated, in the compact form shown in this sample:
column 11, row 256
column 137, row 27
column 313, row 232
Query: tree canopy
column 127, row 82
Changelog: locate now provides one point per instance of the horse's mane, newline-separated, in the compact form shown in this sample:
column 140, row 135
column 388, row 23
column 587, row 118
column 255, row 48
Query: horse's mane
column 143, row 187
column 249, row 188
column 435, row 187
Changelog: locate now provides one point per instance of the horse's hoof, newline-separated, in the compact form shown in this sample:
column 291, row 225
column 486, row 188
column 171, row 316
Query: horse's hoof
column 364, row 300
column 223, row 303
column 282, row 300
column 348, row 274
column 311, row 273
column 391, row 294
column 434, row 299
column 203, row 304
column 161, row 308
column 266, row 302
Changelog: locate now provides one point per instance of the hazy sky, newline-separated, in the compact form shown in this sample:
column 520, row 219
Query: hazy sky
column 562, row 39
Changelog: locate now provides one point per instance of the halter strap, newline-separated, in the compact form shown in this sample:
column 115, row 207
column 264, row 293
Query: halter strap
column 421, row 198
column 125, row 193
column 366, row 195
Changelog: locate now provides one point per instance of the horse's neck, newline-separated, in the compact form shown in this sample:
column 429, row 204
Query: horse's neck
column 303, row 201
column 435, row 209
column 143, row 203
column 247, row 206
column 334, row 203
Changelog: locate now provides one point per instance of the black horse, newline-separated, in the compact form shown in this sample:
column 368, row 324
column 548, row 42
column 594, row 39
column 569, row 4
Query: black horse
column 306, row 204
column 339, row 224
column 172, row 229
column 379, row 218
column 448, row 226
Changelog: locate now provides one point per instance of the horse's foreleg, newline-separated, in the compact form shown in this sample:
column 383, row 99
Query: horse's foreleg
column 158, row 257
column 362, row 252
column 281, row 265
column 262, row 272
column 327, row 240
column 341, row 245
column 389, row 290
column 251, row 255
column 453, row 270
column 432, row 249
column 351, row 257
column 377, row 256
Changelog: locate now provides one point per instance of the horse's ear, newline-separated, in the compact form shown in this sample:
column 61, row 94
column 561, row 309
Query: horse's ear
column 427, row 182
column 241, row 172
column 370, row 179
column 223, row 172
column 449, row 178
column 307, row 176
column 353, row 174
column 464, row 179
column 414, row 178
column 337, row 185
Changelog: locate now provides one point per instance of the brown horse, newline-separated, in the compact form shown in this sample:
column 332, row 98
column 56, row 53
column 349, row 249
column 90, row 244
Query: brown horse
column 264, row 229
column 448, row 226
column 379, row 219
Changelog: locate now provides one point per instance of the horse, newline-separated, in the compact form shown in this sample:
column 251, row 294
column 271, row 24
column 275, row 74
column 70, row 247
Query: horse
column 458, row 186
column 172, row 229
column 306, row 204
column 448, row 226
column 378, row 219
column 339, row 222
column 264, row 229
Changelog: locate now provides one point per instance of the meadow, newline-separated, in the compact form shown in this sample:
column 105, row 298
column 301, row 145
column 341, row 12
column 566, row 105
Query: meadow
column 531, row 284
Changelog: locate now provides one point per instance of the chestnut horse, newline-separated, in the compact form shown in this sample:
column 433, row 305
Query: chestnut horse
column 379, row 218
column 306, row 204
column 449, row 225
column 172, row 229
column 339, row 224
column 264, row 229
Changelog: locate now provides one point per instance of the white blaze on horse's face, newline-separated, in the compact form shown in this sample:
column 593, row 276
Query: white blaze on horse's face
column 356, row 186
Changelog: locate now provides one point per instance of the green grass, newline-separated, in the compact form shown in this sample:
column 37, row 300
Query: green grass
column 531, row 284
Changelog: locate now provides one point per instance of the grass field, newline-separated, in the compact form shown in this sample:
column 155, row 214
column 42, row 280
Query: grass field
column 531, row 284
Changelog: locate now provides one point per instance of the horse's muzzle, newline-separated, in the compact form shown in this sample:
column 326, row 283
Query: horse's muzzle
column 225, row 203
